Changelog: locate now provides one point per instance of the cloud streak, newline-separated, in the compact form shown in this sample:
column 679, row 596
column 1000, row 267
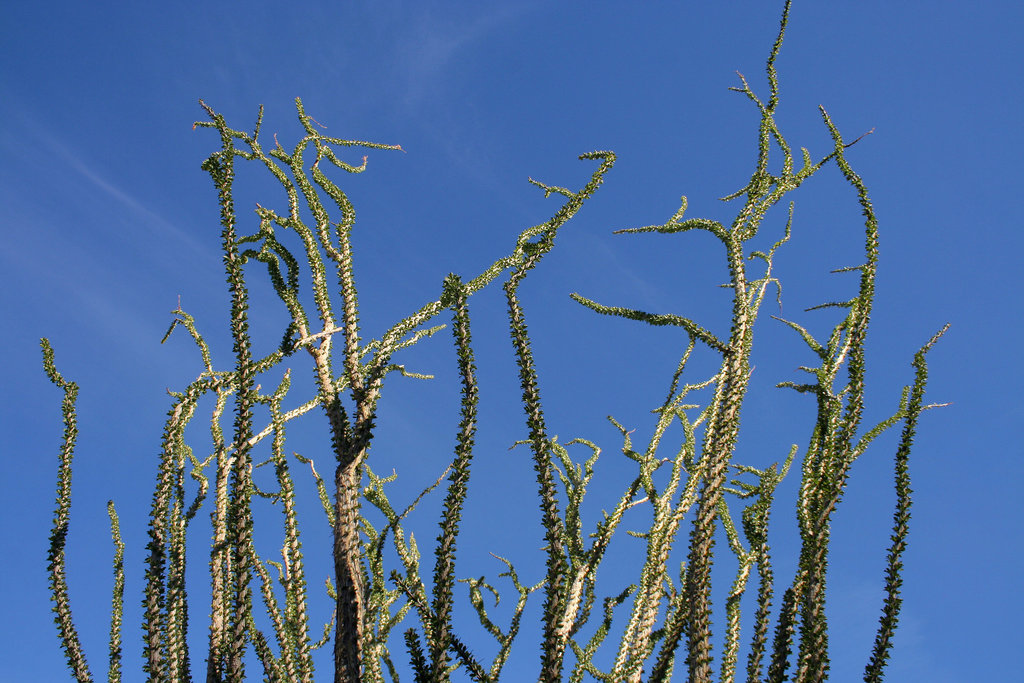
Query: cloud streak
column 432, row 44
column 74, row 161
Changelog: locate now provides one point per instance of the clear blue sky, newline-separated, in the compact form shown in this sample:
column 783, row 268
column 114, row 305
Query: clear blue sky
column 107, row 219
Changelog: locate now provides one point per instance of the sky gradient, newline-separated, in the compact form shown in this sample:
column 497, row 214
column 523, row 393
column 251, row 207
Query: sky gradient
column 108, row 220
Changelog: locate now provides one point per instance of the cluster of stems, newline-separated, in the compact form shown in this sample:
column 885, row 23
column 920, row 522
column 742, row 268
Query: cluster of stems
column 699, row 488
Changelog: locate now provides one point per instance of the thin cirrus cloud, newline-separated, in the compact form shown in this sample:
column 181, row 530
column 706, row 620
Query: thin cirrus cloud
column 53, row 245
column 149, row 218
column 430, row 44
column 40, row 151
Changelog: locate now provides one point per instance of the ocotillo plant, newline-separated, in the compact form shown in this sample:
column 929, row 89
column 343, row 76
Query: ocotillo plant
column 668, row 633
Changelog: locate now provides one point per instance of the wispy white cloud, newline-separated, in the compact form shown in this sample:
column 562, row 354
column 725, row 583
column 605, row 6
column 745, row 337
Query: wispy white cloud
column 428, row 51
column 31, row 136
column 52, row 248
column 433, row 43
column 150, row 218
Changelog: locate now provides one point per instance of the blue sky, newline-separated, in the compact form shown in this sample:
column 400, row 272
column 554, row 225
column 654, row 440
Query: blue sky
column 108, row 219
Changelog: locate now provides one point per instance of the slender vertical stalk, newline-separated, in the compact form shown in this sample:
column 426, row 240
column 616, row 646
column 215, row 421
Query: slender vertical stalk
column 69, row 641
column 719, row 445
column 220, row 166
column 444, row 567
column 889, row 619
column 117, row 609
